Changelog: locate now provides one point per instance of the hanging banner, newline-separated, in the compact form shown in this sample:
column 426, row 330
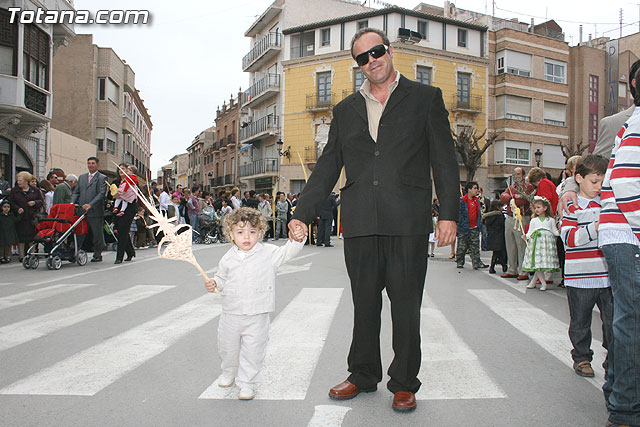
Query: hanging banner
column 613, row 73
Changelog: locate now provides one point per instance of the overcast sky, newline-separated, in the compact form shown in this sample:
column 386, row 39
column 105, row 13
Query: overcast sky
column 188, row 59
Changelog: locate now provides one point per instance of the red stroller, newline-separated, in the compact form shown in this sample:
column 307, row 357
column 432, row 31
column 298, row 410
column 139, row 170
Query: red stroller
column 54, row 233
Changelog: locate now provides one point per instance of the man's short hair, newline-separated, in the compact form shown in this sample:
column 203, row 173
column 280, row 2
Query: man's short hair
column 95, row 159
column 592, row 163
column 251, row 216
column 469, row 185
column 71, row 178
column 635, row 67
column 360, row 33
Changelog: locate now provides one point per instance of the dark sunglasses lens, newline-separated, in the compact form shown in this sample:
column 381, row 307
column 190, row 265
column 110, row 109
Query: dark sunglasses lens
column 378, row 51
column 362, row 59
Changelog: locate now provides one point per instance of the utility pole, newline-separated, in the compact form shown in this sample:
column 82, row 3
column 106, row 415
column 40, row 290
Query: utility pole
column 620, row 22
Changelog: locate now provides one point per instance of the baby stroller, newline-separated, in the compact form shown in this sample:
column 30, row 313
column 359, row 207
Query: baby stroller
column 54, row 233
column 209, row 223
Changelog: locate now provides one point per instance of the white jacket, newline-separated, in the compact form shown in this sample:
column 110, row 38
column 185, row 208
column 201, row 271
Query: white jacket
column 246, row 280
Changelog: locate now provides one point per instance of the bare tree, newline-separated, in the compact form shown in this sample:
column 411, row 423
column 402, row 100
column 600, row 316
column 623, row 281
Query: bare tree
column 573, row 149
column 467, row 144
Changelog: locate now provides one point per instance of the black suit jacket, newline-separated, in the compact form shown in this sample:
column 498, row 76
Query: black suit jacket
column 388, row 188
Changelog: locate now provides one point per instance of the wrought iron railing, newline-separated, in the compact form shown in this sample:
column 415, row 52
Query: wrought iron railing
column 259, row 167
column 269, row 41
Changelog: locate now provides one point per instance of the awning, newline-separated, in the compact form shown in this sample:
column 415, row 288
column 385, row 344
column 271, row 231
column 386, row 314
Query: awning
column 246, row 147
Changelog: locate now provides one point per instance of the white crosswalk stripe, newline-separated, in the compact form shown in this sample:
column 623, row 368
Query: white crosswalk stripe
column 328, row 416
column 450, row 369
column 38, row 294
column 547, row 331
column 91, row 370
column 297, row 335
column 35, row 327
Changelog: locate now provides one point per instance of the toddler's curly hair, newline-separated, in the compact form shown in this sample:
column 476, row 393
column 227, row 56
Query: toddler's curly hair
column 250, row 216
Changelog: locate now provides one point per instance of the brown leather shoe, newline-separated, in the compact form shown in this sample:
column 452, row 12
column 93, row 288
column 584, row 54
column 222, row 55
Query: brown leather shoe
column 509, row 276
column 345, row 390
column 523, row 277
column 404, row 401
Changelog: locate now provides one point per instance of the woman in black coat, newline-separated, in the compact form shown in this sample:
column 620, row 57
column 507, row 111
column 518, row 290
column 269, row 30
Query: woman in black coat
column 31, row 201
column 494, row 220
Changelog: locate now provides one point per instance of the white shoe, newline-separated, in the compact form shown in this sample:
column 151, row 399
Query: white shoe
column 225, row 381
column 246, row 393
column 531, row 286
column 543, row 287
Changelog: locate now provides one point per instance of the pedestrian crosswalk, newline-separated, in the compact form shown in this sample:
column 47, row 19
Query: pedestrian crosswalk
column 299, row 339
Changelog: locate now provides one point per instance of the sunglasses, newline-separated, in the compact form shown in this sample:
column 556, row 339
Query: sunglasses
column 377, row 51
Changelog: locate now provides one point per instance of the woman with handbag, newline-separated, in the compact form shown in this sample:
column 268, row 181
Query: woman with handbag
column 31, row 201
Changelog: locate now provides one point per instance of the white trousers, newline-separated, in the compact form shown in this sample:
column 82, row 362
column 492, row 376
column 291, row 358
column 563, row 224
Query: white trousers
column 242, row 344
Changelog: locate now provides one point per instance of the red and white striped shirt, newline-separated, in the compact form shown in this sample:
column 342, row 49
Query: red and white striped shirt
column 620, row 214
column 585, row 265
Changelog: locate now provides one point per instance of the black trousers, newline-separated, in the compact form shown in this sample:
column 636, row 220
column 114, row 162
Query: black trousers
column 95, row 224
column 399, row 264
column 324, row 232
column 123, row 225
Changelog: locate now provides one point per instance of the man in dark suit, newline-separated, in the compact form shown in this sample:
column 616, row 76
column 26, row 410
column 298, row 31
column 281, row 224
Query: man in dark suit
column 389, row 136
column 89, row 193
column 325, row 216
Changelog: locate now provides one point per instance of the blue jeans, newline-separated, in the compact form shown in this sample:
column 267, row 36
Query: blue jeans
column 193, row 222
column 622, row 389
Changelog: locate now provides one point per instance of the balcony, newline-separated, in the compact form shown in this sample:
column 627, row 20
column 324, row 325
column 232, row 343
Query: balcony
column 228, row 179
column 127, row 123
column 218, row 181
column 317, row 102
column 469, row 104
column 263, row 50
column 258, row 167
column 215, row 147
column 259, row 129
column 261, row 90
column 231, row 139
column 223, row 143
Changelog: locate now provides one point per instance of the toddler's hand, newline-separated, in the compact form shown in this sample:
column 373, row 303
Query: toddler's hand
column 210, row 285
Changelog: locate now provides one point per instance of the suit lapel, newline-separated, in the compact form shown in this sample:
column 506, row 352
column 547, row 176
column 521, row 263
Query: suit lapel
column 361, row 108
column 398, row 95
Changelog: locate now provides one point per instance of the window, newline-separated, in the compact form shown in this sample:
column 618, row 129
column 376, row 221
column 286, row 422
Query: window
column 324, row 87
column 363, row 24
column 462, row 37
column 501, row 65
column 513, row 62
column 303, row 44
column 35, row 65
column 8, row 44
column 517, row 108
column 423, row 29
column 554, row 71
column 593, row 127
column 593, row 89
column 517, row 156
column 555, row 114
column 108, row 91
column 112, row 140
column 423, row 75
column 464, row 89
column 358, row 79
column 326, row 36
column 622, row 90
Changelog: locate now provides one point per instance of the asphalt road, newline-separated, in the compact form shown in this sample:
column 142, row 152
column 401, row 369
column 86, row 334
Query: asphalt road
column 135, row 345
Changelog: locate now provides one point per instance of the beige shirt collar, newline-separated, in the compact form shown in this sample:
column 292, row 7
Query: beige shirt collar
column 374, row 107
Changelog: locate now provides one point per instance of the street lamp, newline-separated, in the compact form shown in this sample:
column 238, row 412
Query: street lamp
column 286, row 153
column 538, row 155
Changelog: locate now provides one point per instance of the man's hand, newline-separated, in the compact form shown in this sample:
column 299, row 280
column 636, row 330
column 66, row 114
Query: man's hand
column 20, row 210
column 211, row 285
column 446, row 232
column 31, row 203
column 297, row 230
column 568, row 196
column 86, row 207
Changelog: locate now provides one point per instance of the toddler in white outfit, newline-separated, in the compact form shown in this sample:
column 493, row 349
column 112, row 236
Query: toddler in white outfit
column 246, row 280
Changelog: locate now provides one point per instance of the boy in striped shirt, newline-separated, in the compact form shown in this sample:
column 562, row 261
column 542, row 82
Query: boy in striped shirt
column 619, row 237
column 586, row 276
